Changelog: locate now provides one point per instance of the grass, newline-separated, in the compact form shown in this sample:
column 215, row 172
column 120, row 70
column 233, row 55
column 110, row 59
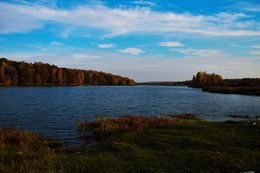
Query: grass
column 179, row 146
column 106, row 128
column 24, row 140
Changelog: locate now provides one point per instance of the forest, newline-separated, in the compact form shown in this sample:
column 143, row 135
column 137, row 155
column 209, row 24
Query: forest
column 206, row 80
column 13, row 73
column 214, row 83
column 203, row 79
column 167, row 83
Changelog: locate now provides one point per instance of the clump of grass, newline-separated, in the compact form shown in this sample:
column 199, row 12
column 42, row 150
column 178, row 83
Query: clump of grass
column 24, row 140
column 104, row 128
column 185, row 117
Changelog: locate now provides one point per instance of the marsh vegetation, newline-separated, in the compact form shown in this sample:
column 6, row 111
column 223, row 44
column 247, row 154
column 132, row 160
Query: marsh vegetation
column 177, row 144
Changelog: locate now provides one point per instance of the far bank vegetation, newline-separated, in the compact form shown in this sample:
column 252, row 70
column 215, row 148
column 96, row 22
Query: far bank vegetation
column 203, row 79
column 216, row 84
column 14, row 73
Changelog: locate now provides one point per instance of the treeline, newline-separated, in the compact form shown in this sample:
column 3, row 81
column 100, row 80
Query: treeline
column 245, row 82
column 166, row 83
column 203, row 79
column 14, row 73
column 215, row 84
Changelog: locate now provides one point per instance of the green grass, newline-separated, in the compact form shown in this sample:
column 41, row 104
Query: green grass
column 185, row 146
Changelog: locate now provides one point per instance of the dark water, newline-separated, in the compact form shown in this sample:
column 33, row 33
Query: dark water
column 54, row 111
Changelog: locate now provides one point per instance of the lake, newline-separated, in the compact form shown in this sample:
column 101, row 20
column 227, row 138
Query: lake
column 55, row 111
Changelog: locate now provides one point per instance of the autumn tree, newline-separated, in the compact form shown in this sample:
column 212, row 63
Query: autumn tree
column 38, row 74
column 203, row 79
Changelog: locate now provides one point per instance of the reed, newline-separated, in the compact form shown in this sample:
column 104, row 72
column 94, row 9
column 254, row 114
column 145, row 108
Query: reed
column 143, row 144
column 105, row 128
column 24, row 140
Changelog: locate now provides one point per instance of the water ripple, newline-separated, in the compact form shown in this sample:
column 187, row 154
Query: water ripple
column 55, row 111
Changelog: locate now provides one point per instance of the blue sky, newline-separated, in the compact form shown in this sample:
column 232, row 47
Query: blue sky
column 145, row 40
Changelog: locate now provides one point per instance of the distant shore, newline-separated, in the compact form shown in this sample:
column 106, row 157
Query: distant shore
column 254, row 91
column 234, row 90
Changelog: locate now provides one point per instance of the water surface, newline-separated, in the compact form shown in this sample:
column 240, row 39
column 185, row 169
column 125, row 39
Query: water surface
column 55, row 111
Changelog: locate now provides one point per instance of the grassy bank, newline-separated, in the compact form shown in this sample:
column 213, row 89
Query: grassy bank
column 177, row 145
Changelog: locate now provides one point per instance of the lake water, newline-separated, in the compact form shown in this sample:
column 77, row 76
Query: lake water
column 55, row 111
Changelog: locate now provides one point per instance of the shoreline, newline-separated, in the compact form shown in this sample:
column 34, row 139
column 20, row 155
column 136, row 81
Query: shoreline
column 186, row 145
column 254, row 91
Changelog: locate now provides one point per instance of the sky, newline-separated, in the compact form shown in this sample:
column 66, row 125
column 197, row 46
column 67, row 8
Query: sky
column 159, row 40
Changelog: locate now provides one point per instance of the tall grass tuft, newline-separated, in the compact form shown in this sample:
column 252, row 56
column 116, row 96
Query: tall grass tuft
column 24, row 140
column 104, row 128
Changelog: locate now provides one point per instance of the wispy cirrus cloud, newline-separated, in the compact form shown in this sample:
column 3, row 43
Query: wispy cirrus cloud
column 234, row 45
column 55, row 43
column 132, row 51
column 106, row 46
column 255, row 52
column 141, row 2
column 171, row 44
column 255, row 46
column 198, row 52
column 247, row 6
column 121, row 21
column 49, row 3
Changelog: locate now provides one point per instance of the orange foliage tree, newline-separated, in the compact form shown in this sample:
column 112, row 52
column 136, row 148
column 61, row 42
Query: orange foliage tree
column 26, row 74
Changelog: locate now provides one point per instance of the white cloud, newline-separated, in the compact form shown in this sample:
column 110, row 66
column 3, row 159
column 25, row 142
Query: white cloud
column 120, row 21
column 106, row 46
column 255, row 52
column 49, row 3
column 55, row 43
column 171, row 44
column 86, row 56
column 141, row 2
column 132, row 51
column 198, row 52
column 234, row 45
column 256, row 46
column 247, row 6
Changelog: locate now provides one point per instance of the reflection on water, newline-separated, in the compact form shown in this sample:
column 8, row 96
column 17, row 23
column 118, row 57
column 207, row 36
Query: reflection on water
column 54, row 111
